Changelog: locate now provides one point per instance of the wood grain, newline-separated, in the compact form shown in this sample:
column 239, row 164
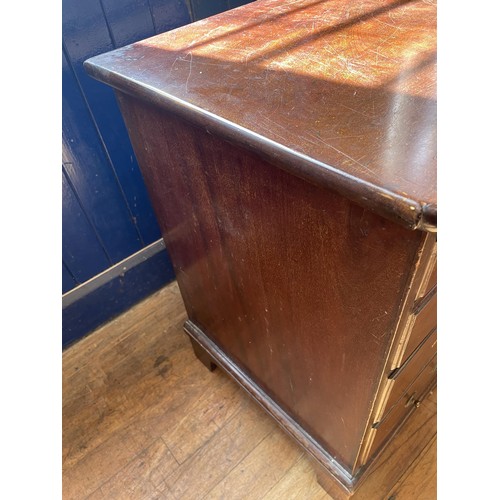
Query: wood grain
column 300, row 284
column 299, row 483
column 143, row 477
column 227, row 452
column 136, row 458
column 420, row 483
column 291, row 220
column 241, row 481
column 202, row 419
column 337, row 97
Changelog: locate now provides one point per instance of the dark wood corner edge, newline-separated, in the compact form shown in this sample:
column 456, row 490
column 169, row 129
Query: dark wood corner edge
column 405, row 211
column 324, row 461
column 428, row 219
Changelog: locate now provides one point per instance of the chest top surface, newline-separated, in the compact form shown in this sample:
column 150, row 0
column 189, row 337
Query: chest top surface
column 345, row 90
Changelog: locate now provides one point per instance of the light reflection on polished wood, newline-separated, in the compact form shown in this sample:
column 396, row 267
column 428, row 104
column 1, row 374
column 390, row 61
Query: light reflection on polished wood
column 144, row 419
column 345, row 96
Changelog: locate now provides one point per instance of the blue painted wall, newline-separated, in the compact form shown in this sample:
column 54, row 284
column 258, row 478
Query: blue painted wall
column 106, row 213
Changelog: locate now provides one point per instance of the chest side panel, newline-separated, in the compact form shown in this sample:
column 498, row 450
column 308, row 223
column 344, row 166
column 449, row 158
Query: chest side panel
column 299, row 286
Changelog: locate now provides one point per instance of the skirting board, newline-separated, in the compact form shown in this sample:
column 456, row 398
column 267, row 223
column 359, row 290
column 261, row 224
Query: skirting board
column 113, row 291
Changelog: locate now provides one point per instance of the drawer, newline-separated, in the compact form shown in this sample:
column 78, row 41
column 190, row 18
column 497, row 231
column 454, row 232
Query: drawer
column 409, row 399
column 404, row 376
column 432, row 279
column 425, row 321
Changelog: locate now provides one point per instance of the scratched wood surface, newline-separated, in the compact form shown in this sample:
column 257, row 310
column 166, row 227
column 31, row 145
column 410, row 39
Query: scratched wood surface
column 345, row 95
column 143, row 419
column 289, row 266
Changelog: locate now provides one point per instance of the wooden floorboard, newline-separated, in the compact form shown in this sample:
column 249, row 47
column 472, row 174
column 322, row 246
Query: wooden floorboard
column 144, row 419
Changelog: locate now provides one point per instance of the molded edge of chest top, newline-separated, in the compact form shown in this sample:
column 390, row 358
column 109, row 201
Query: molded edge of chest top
column 340, row 94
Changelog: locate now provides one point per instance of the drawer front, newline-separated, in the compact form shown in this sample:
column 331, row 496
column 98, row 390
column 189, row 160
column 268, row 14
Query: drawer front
column 411, row 366
column 405, row 376
column 427, row 287
column 409, row 400
column 432, row 281
column 424, row 322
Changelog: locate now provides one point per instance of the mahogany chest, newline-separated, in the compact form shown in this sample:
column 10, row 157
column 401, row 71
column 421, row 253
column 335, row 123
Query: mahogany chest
column 289, row 149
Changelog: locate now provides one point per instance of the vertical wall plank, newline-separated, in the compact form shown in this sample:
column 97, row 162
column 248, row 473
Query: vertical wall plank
column 204, row 8
column 169, row 14
column 85, row 33
column 207, row 8
column 107, row 214
column 102, row 167
column 81, row 251
column 88, row 169
column 68, row 282
column 237, row 3
column 128, row 20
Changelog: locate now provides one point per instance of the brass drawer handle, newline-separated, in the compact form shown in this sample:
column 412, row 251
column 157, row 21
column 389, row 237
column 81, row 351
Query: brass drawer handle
column 412, row 400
